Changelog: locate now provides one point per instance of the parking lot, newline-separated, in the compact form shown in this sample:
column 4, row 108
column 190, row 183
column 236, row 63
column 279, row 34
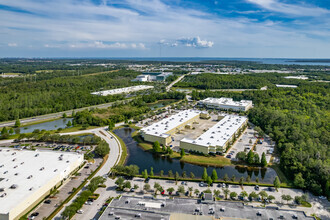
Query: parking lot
column 128, row 207
column 200, row 127
column 246, row 142
column 45, row 209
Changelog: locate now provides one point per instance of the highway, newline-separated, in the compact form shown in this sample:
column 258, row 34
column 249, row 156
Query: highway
column 58, row 114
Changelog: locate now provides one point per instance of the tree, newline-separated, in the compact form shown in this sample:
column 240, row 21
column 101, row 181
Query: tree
column 248, row 179
column 299, row 181
column 233, row 195
column 250, row 157
column 145, row 174
column 161, row 173
column 257, row 180
column 17, row 123
column 253, row 195
column 192, row 175
column 270, row 198
column 287, row 198
column 127, row 185
column 233, row 178
column 256, row 159
column 170, row 173
column 11, row 131
column 277, row 183
column 263, row 160
column 209, row 181
column 170, row 190
column 241, row 181
column 226, row 192
column 120, row 182
column 146, row 187
column 176, row 176
column 64, row 115
column 250, row 141
column 136, row 186
column 214, row 175
column 190, row 189
column 244, row 194
column 216, row 192
column 156, row 147
column 263, row 194
column 184, row 174
column 102, row 149
column 156, row 187
column 69, row 124
column 225, row 177
column 181, row 189
column 182, row 153
column 196, row 192
column 151, row 171
column 241, row 156
column 204, row 176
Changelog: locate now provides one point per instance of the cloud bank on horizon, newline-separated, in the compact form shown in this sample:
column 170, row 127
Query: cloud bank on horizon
column 133, row 28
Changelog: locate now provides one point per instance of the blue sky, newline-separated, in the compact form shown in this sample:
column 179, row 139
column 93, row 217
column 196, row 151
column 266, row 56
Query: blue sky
column 167, row 28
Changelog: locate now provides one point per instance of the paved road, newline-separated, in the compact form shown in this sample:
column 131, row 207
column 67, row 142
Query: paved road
column 115, row 153
column 58, row 114
column 177, row 80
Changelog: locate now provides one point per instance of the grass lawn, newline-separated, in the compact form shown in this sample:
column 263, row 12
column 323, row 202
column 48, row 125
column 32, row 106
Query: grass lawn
column 122, row 144
column 206, row 160
column 76, row 128
column 284, row 181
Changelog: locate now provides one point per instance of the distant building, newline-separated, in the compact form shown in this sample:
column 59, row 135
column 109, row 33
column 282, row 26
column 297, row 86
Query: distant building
column 286, row 86
column 27, row 177
column 122, row 90
column 152, row 76
column 226, row 104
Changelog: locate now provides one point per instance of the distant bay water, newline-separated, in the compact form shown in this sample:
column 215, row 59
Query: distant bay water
column 284, row 61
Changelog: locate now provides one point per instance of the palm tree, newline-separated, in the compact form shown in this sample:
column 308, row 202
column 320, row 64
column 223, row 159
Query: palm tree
column 226, row 192
column 216, row 192
column 233, row 178
column 170, row 190
column 190, row 189
column 244, row 194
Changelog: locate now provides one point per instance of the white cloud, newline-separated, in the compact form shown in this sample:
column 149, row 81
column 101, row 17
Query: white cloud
column 12, row 44
column 101, row 45
column 195, row 42
column 290, row 9
column 188, row 42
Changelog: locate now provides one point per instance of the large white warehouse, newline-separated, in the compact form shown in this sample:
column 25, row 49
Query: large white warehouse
column 26, row 177
column 226, row 104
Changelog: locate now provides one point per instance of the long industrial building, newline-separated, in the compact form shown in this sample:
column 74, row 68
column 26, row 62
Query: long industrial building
column 215, row 139
column 26, row 177
column 226, row 104
column 122, row 90
column 162, row 130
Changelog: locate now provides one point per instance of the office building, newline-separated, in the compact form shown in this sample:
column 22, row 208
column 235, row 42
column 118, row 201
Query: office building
column 226, row 104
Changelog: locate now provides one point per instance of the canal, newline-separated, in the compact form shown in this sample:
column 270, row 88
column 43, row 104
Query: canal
column 145, row 160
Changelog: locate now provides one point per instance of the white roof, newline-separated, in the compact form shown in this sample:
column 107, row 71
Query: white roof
column 122, row 90
column 226, row 101
column 219, row 134
column 286, row 86
column 16, row 166
column 160, row 128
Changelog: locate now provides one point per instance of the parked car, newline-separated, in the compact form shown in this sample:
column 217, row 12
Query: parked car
column 48, row 201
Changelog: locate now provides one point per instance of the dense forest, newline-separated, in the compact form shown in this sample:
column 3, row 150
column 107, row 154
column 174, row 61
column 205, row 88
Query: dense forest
column 246, row 81
column 298, row 120
column 30, row 98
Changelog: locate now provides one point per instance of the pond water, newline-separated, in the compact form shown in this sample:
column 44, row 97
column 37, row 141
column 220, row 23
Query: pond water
column 48, row 126
column 145, row 160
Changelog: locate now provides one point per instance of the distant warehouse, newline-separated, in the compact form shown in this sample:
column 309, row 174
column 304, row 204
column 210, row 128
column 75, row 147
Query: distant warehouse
column 152, row 76
column 122, row 90
column 217, row 138
column 162, row 130
column 226, row 104
column 26, row 177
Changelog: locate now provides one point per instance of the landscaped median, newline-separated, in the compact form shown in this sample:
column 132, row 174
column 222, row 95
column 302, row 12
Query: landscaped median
column 58, row 209
column 122, row 145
